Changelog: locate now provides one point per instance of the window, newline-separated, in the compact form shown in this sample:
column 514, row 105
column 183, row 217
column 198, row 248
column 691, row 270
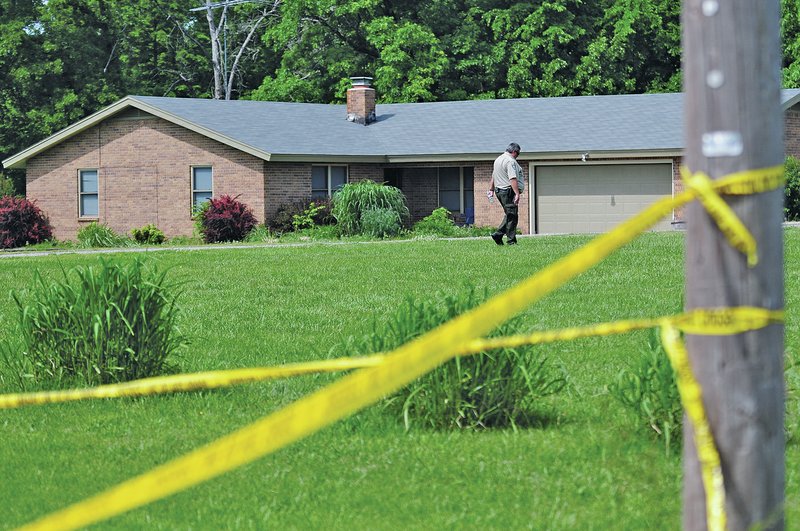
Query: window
column 325, row 180
column 456, row 188
column 88, row 203
column 202, row 186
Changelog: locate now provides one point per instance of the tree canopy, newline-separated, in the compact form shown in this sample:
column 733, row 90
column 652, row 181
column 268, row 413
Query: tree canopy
column 61, row 60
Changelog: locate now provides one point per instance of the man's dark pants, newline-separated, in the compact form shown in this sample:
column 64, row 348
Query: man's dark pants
column 509, row 224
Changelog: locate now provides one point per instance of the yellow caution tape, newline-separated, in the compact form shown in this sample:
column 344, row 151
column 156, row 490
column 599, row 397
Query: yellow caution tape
column 186, row 382
column 751, row 181
column 698, row 321
column 727, row 221
column 362, row 388
column 692, row 398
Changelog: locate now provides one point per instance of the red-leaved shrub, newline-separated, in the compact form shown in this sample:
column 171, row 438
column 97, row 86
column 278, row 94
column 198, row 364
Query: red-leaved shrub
column 226, row 220
column 21, row 223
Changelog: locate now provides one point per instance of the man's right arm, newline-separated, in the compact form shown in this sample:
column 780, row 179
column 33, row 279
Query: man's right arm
column 511, row 171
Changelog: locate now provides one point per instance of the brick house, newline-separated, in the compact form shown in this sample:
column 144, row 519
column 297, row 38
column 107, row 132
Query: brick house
column 589, row 161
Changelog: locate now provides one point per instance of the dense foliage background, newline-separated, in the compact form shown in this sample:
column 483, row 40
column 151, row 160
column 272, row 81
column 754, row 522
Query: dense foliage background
column 61, row 60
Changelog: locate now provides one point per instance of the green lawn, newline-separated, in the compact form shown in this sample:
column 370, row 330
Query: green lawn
column 591, row 467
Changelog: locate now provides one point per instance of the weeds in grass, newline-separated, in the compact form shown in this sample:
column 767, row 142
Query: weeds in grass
column 492, row 389
column 98, row 325
column 260, row 234
column 651, row 392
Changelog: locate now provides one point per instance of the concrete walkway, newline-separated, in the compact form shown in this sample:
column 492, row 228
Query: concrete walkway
column 23, row 253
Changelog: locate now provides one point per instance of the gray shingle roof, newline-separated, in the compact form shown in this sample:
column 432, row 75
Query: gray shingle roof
column 477, row 129
column 642, row 122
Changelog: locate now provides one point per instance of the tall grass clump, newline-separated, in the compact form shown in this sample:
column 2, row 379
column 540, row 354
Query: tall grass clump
column 99, row 235
column 353, row 200
column 98, row 325
column 650, row 391
column 494, row 389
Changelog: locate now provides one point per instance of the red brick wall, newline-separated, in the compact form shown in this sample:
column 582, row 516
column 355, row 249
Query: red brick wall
column 362, row 172
column 144, row 176
column 792, row 131
column 286, row 182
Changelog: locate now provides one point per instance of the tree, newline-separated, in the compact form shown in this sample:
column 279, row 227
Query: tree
column 636, row 49
column 241, row 36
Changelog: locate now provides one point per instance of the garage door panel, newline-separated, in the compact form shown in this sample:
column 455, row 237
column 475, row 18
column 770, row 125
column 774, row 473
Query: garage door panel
column 595, row 198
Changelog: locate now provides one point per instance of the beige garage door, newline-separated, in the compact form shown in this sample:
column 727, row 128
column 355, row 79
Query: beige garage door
column 595, row 198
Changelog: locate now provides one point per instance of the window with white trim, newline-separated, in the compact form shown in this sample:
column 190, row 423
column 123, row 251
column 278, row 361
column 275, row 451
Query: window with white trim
column 202, row 185
column 325, row 180
column 88, row 198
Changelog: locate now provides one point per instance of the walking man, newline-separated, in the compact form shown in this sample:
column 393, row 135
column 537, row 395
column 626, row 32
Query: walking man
column 507, row 184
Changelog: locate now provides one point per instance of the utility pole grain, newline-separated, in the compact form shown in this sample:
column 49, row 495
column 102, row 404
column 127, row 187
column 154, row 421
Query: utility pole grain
column 734, row 123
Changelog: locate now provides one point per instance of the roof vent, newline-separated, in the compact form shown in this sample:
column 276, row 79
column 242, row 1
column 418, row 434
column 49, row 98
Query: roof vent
column 361, row 101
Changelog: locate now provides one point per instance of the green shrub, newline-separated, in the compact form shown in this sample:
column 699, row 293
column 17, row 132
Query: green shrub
column 149, row 234
column 439, row 223
column 651, row 392
column 284, row 218
column 305, row 219
column 791, row 208
column 99, row 325
column 198, row 215
column 98, row 235
column 353, row 199
column 381, row 223
column 7, row 187
column 493, row 389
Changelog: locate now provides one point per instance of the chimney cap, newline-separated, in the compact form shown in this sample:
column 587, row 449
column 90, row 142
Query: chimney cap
column 361, row 81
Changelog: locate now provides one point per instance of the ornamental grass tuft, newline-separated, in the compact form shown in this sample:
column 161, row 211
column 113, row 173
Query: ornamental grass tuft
column 98, row 325
column 495, row 389
column 96, row 235
column 354, row 200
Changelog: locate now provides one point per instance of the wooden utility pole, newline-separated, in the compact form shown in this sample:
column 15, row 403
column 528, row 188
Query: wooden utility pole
column 734, row 122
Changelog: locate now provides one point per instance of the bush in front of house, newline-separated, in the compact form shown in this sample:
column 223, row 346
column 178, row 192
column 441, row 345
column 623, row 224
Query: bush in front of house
column 97, row 234
column 225, row 219
column 148, row 235
column 100, row 324
column 791, row 208
column 22, row 223
column 381, row 223
column 285, row 218
column 354, row 199
column 439, row 223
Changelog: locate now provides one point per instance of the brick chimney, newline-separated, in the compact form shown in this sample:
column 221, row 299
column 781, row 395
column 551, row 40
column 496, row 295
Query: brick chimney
column 361, row 101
